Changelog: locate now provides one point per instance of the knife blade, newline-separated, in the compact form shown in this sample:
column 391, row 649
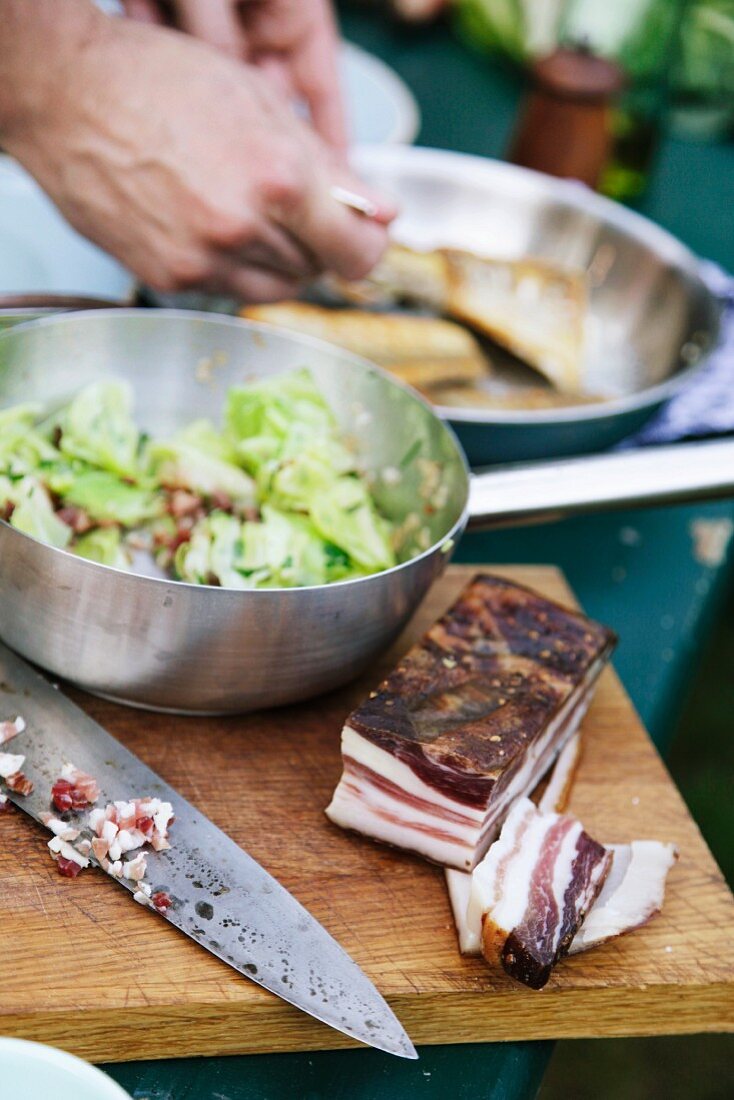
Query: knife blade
column 222, row 898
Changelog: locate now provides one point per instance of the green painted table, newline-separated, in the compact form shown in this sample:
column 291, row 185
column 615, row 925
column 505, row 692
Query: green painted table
column 649, row 575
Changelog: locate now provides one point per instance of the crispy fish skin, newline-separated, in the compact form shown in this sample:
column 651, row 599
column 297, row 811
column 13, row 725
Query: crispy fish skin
column 421, row 350
column 534, row 310
column 428, row 373
column 526, row 399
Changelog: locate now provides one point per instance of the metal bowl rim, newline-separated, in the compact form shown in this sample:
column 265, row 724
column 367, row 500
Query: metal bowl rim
column 446, row 540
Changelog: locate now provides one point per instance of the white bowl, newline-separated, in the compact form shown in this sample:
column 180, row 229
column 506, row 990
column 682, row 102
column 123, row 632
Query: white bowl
column 32, row 1071
column 380, row 107
column 41, row 253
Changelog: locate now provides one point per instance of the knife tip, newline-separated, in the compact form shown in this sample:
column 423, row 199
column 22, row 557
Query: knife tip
column 401, row 1046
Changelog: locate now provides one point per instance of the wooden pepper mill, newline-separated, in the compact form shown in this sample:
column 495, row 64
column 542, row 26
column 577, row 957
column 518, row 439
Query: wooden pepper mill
column 565, row 127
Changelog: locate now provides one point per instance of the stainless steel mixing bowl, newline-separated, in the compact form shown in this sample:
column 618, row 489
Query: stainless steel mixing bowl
column 169, row 645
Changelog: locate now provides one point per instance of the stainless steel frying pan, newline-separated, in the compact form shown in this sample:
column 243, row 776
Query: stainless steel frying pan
column 168, row 645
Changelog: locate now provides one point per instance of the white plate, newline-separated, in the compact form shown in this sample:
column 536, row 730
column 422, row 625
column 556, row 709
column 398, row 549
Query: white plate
column 41, row 253
column 380, row 107
column 32, row 1071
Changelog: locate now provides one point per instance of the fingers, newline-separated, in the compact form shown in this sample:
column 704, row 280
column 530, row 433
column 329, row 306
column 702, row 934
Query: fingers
column 250, row 283
column 216, row 22
column 341, row 240
column 144, row 11
column 315, row 75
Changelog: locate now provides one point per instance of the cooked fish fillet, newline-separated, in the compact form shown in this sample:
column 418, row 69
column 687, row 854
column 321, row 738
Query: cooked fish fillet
column 535, row 397
column 420, row 350
column 529, row 307
column 427, row 374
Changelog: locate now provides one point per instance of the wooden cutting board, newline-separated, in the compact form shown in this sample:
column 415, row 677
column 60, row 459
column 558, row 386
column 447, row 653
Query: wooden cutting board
column 85, row 968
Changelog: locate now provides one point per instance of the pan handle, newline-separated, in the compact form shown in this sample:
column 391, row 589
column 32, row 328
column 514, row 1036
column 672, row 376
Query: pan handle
column 538, row 492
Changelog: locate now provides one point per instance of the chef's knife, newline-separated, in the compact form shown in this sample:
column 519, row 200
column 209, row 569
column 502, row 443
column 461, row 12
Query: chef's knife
column 222, row 898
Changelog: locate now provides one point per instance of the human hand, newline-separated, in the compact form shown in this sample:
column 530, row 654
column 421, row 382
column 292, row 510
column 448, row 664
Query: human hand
column 194, row 174
column 294, row 41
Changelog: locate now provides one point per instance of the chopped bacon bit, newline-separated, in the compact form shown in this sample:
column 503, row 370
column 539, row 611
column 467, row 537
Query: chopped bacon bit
column 6, row 806
column 62, row 850
column 58, row 827
column 19, row 783
column 221, row 501
column 10, row 763
column 69, row 868
column 135, row 869
column 74, row 790
column 182, row 504
column 6, row 510
column 161, row 901
column 76, row 518
column 8, row 730
column 100, row 847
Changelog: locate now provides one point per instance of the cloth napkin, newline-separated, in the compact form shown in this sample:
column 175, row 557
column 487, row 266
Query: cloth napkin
column 704, row 407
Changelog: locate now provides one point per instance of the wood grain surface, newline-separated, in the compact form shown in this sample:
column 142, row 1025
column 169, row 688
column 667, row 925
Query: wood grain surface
column 85, row 968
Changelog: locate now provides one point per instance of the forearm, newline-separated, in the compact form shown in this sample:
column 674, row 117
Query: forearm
column 42, row 43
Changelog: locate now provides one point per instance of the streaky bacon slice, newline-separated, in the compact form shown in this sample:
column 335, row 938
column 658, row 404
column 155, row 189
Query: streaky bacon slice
column 469, row 721
column 533, row 890
column 634, row 892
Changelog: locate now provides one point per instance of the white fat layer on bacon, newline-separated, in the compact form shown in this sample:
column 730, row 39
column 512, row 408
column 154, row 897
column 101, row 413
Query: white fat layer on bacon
column 10, row 764
column 359, row 804
column 555, row 795
column 514, row 858
column 59, row 847
column 469, row 932
column 632, row 893
column 59, row 827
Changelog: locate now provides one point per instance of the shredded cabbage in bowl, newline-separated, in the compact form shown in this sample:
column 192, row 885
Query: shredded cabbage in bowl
column 272, row 499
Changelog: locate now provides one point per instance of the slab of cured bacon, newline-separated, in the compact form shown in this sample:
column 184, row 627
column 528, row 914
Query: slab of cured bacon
column 468, row 722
